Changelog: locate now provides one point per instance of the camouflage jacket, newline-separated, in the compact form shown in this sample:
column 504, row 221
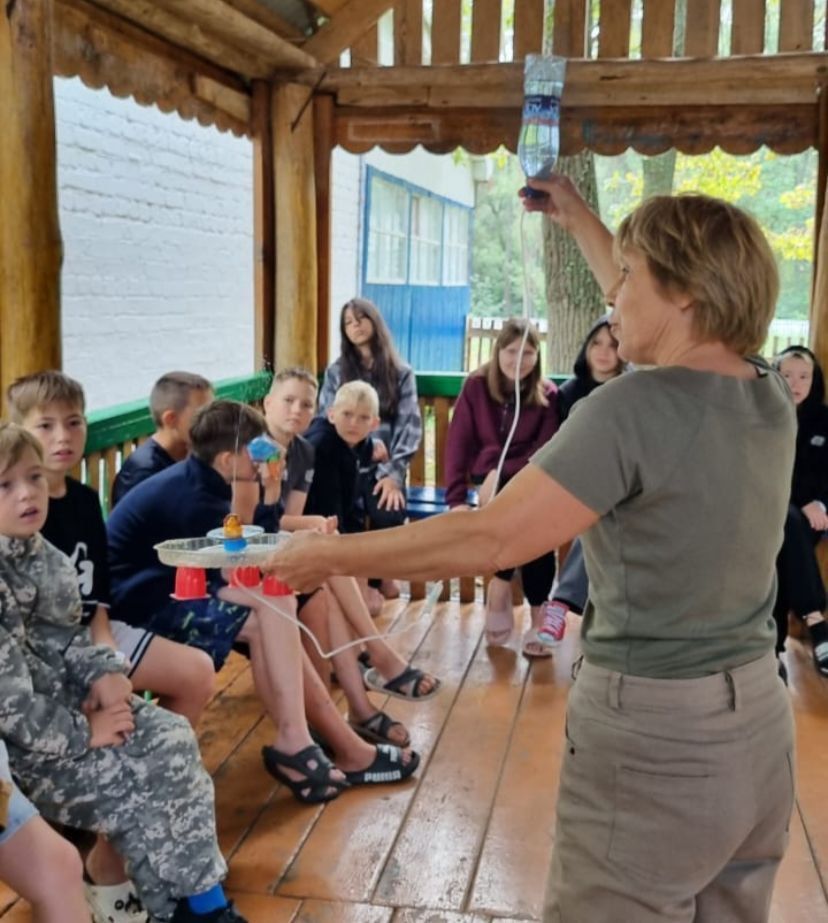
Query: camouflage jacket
column 47, row 659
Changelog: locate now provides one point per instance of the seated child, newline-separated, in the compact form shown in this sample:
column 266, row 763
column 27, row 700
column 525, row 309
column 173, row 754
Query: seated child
column 289, row 408
column 187, row 500
column 36, row 862
column 800, row 588
column 343, row 450
column 86, row 751
column 174, row 399
column 50, row 405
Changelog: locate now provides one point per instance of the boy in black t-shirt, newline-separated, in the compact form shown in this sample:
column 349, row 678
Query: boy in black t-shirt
column 174, row 399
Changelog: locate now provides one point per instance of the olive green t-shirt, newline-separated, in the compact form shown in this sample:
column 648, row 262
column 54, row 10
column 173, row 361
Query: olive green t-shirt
column 690, row 473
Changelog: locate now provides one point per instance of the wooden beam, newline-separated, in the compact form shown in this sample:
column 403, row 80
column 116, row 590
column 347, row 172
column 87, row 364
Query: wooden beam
column 658, row 29
column 296, row 259
column 529, row 26
column 747, row 35
column 251, row 37
column 819, row 280
column 30, row 243
column 105, row 50
column 787, row 129
column 353, row 20
column 796, row 25
column 267, row 17
column 323, row 128
column 408, row 32
column 445, row 32
column 751, row 81
column 614, row 29
column 569, row 29
column 188, row 35
column 485, row 38
column 264, row 228
column 701, row 34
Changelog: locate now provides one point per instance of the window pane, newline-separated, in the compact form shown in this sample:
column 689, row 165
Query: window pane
column 387, row 223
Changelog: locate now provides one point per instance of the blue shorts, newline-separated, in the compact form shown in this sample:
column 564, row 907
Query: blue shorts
column 20, row 809
column 209, row 624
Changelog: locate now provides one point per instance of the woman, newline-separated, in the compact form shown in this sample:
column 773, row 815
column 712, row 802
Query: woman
column 801, row 590
column 480, row 425
column 677, row 779
column 596, row 363
column 367, row 353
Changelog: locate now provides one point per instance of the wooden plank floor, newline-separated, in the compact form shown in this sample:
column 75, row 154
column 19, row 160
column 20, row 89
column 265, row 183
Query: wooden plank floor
column 468, row 840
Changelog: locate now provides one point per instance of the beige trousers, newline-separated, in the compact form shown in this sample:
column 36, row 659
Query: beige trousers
column 675, row 798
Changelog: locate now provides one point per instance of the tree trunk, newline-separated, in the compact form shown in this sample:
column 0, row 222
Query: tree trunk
column 573, row 296
column 658, row 174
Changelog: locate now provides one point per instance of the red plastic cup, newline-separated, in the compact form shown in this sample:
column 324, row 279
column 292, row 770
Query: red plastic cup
column 273, row 586
column 190, row 583
column 248, row 576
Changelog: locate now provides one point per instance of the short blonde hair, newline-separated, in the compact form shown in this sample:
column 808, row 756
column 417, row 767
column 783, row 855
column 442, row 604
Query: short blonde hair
column 14, row 440
column 717, row 254
column 32, row 392
column 357, row 394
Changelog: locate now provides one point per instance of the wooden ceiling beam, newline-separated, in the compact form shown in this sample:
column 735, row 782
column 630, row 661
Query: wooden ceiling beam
column 604, row 130
column 105, row 50
column 220, row 18
column 265, row 16
column 189, row 35
column 352, row 21
column 749, row 80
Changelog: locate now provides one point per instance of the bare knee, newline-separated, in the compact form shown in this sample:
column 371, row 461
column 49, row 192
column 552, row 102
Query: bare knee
column 198, row 677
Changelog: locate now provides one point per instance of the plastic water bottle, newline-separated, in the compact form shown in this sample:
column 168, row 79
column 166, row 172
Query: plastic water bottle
column 540, row 127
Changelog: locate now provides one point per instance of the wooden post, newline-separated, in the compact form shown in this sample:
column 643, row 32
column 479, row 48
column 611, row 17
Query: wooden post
column 296, row 261
column 30, row 244
column 819, row 295
column 322, row 149
column 264, row 233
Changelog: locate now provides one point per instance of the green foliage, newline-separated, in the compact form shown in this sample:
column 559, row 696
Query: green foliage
column 497, row 262
column 778, row 190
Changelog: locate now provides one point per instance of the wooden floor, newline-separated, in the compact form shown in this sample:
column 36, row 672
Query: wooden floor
column 468, row 839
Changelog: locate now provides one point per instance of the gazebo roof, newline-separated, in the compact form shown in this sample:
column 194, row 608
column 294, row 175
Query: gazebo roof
column 202, row 58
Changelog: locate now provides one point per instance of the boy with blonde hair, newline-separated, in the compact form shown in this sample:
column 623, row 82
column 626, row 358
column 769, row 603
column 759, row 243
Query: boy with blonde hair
column 85, row 750
column 343, row 451
column 289, row 408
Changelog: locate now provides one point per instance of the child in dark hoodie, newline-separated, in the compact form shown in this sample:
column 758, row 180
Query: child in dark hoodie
column 801, row 590
column 596, row 363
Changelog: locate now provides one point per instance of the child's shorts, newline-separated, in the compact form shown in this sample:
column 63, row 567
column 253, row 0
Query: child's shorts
column 132, row 642
column 209, row 624
column 19, row 809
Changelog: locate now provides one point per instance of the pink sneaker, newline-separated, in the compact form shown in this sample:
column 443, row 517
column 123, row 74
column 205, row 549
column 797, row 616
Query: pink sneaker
column 553, row 627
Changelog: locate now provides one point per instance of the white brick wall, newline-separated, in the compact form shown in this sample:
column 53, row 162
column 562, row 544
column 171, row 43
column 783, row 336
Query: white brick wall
column 157, row 221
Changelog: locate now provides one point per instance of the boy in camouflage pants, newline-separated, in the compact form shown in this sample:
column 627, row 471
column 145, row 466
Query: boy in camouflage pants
column 87, row 752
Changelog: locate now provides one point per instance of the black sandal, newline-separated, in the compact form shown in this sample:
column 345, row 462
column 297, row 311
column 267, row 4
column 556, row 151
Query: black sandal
column 388, row 766
column 376, row 730
column 317, row 786
column 405, row 686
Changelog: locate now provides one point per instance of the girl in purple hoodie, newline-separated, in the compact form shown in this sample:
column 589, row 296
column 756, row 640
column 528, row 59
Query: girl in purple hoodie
column 482, row 419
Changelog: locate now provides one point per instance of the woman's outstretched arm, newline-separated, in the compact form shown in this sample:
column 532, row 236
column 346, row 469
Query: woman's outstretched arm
column 532, row 514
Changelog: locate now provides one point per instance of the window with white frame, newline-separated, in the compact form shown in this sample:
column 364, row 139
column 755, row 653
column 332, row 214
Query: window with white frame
column 426, row 238
column 455, row 246
column 387, row 233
